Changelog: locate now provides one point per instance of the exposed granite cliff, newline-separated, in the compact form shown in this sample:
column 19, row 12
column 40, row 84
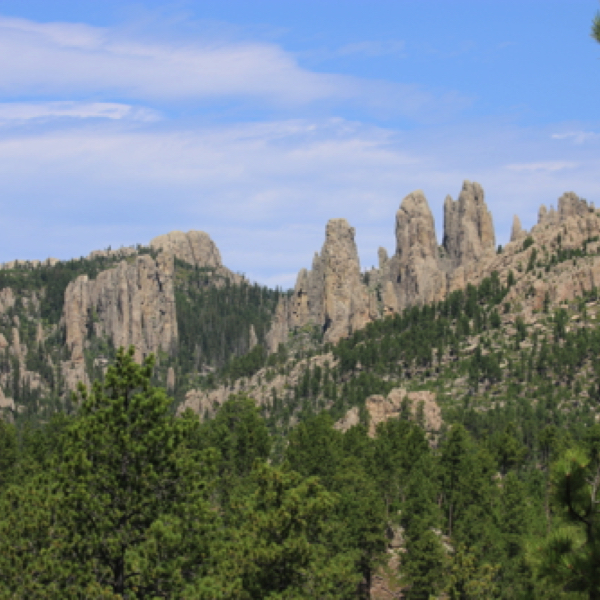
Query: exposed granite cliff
column 133, row 303
column 468, row 226
column 331, row 295
column 196, row 248
column 193, row 247
column 415, row 271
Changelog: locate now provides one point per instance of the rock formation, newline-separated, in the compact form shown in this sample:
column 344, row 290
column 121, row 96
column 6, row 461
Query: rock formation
column 331, row 295
column 381, row 409
column 468, row 226
column 193, row 247
column 133, row 303
column 7, row 299
column 414, row 270
column 252, row 339
column 170, row 379
column 516, row 231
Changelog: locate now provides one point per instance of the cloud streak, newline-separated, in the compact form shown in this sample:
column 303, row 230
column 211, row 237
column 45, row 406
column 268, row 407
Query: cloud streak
column 64, row 60
column 11, row 112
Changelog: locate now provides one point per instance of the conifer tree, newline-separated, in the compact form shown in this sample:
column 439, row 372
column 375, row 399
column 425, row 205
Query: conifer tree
column 569, row 557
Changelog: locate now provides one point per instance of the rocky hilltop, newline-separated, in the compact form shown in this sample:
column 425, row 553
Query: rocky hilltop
column 419, row 271
column 134, row 302
column 57, row 326
column 336, row 299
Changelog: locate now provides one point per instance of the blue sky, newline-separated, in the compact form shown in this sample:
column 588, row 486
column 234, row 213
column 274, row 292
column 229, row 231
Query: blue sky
column 257, row 121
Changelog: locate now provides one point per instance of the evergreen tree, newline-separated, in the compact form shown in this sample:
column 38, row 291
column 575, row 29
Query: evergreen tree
column 280, row 544
column 569, row 557
column 8, row 453
column 125, row 513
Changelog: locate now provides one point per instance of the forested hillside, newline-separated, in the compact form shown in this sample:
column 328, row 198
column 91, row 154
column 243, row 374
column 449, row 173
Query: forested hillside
column 218, row 317
column 449, row 449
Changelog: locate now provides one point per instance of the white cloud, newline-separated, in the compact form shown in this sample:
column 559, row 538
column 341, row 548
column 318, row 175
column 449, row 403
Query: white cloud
column 577, row 137
column 64, row 60
column 27, row 111
column 58, row 57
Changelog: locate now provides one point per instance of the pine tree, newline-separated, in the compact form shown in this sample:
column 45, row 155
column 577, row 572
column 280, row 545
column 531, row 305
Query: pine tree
column 124, row 512
column 280, row 544
column 569, row 557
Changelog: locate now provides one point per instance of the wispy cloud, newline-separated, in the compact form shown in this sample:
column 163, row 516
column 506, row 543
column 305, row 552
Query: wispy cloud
column 27, row 111
column 64, row 60
column 577, row 137
column 61, row 57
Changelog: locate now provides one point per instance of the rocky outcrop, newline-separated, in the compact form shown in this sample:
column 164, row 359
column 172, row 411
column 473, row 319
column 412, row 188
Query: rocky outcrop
column 252, row 339
column 7, row 299
column 259, row 387
column 170, row 379
column 516, row 231
column 133, row 303
column 415, row 271
column 195, row 248
column 468, row 226
column 420, row 405
column 13, row 264
column 331, row 296
column 570, row 205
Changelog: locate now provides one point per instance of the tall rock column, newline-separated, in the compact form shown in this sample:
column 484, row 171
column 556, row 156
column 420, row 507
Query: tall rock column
column 468, row 226
column 414, row 270
column 331, row 295
column 345, row 300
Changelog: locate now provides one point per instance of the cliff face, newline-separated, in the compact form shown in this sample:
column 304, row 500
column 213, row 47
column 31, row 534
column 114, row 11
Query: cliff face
column 334, row 297
column 415, row 272
column 468, row 226
column 133, row 303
